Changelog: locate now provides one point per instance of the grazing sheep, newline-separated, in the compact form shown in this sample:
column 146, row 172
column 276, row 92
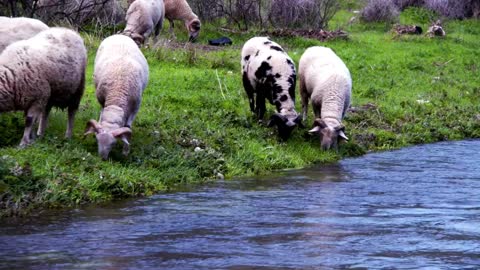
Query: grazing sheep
column 20, row 28
column 268, row 73
column 42, row 72
column 180, row 10
column 121, row 75
column 143, row 17
column 325, row 80
column 436, row 30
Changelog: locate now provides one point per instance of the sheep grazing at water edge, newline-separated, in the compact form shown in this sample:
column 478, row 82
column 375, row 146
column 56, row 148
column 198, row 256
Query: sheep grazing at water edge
column 144, row 17
column 269, row 73
column 180, row 10
column 16, row 29
column 325, row 80
column 121, row 75
column 42, row 72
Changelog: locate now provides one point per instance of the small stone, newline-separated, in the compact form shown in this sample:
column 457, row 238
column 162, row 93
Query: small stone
column 198, row 149
column 220, row 176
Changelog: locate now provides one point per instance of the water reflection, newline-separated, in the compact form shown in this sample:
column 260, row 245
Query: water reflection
column 414, row 208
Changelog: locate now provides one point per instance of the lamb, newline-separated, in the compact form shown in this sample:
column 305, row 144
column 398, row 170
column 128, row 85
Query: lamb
column 20, row 28
column 45, row 71
column 121, row 75
column 180, row 10
column 269, row 73
column 144, row 17
column 325, row 80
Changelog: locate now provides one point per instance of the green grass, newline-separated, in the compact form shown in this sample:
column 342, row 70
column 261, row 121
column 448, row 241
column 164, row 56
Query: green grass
column 422, row 90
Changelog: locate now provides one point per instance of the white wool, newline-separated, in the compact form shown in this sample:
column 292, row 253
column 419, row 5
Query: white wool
column 20, row 28
column 326, row 80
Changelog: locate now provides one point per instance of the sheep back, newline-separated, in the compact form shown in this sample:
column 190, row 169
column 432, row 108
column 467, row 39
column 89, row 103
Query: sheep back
column 51, row 64
column 326, row 80
column 143, row 15
column 20, row 28
column 179, row 10
column 120, row 74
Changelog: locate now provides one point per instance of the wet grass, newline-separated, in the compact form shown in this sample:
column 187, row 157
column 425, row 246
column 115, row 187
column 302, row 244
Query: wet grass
column 407, row 90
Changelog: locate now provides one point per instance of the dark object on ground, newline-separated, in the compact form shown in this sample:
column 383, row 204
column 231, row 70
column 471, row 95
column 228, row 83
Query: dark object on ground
column 220, row 41
column 407, row 29
column 320, row 34
column 436, row 30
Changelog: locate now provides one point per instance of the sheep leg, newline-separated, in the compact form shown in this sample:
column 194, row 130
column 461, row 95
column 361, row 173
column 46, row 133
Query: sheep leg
column 260, row 105
column 71, row 118
column 126, row 149
column 249, row 89
column 317, row 110
column 30, row 119
column 172, row 34
column 43, row 121
column 304, row 99
column 158, row 27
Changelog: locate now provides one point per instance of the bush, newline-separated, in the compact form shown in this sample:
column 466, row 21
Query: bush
column 80, row 12
column 451, row 8
column 402, row 4
column 302, row 13
column 380, row 11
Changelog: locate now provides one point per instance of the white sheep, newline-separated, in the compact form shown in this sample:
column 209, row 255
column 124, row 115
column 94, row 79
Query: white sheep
column 180, row 10
column 325, row 80
column 143, row 17
column 269, row 73
column 45, row 71
column 20, row 28
column 121, row 75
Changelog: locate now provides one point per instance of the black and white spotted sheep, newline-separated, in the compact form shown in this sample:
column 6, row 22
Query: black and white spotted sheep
column 269, row 73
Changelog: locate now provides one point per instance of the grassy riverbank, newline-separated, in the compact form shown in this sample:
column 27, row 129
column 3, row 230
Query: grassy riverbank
column 407, row 90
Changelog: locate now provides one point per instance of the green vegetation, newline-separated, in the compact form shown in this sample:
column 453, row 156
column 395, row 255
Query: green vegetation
column 407, row 90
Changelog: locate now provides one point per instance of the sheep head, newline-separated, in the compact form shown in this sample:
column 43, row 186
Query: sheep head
column 193, row 27
column 329, row 136
column 284, row 124
column 139, row 39
column 107, row 139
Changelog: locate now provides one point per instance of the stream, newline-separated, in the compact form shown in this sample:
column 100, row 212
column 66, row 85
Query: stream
column 415, row 208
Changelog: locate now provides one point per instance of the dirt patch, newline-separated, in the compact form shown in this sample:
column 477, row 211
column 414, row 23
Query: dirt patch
column 321, row 34
column 175, row 45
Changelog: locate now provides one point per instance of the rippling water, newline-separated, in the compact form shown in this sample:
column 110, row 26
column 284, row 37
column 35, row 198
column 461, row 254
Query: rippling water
column 417, row 208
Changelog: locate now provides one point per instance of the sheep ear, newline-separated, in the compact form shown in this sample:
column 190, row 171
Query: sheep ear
column 298, row 121
column 139, row 39
column 342, row 135
column 125, row 133
column 195, row 25
column 275, row 119
column 315, row 129
column 340, row 128
column 319, row 123
column 92, row 127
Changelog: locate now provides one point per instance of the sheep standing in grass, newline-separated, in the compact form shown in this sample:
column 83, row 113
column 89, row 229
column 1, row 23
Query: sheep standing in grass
column 180, row 10
column 20, row 28
column 325, row 80
column 144, row 17
column 121, row 75
column 42, row 72
column 268, row 73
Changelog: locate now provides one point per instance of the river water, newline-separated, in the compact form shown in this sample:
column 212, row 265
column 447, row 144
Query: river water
column 416, row 208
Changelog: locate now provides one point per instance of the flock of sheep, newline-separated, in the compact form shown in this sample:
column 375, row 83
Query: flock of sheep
column 42, row 67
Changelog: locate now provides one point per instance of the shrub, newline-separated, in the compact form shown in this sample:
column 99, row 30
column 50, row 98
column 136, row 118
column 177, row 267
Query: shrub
column 402, row 4
column 302, row 13
column 450, row 8
column 380, row 11
column 80, row 12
